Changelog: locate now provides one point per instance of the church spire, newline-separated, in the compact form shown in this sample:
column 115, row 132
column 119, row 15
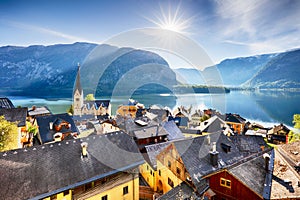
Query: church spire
column 77, row 82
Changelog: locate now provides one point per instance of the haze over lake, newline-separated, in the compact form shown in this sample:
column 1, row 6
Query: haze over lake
column 259, row 106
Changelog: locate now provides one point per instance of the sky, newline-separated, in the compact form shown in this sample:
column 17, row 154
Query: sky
column 222, row 28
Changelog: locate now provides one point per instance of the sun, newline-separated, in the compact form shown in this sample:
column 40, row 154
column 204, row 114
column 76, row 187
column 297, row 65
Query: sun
column 172, row 20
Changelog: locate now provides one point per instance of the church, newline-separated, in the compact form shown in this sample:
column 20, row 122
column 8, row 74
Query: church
column 82, row 107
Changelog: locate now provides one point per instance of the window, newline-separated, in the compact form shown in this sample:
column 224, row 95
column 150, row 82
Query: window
column 225, row 182
column 178, row 170
column 169, row 164
column 66, row 192
column 147, row 167
column 104, row 197
column 88, row 186
column 170, row 182
column 53, row 197
column 125, row 190
column 159, row 172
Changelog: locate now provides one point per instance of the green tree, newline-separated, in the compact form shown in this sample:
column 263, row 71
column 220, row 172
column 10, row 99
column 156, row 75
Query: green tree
column 89, row 97
column 296, row 121
column 295, row 136
column 8, row 135
column 204, row 118
column 31, row 128
column 70, row 110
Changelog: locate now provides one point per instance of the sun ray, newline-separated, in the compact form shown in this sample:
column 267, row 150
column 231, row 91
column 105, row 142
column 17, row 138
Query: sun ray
column 172, row 19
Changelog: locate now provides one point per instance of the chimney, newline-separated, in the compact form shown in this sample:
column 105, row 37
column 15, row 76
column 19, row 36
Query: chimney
column 267, row 160
column 50, row 125
column 214, row 148
column 214, row 155
column 208, row 139
column 84, row 149
column 57, row 137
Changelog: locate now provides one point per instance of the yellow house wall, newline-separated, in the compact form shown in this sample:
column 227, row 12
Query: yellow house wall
column 117, row 192
column 146, row 173
column 112, row 188
column 171, row 155
column 61, row 196
column 236, row 126
column 165, row 174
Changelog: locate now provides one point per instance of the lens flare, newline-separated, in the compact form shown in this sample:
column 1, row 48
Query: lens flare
column 172, row 20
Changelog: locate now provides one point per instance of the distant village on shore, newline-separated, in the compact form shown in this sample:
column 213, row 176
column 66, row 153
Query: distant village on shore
column 144, row 153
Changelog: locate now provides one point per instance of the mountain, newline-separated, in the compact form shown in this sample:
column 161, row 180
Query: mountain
column 189, row 76
column 39, row 70
column 50, row 71
column 122, row 71
column 281, row 72
column 232, row 72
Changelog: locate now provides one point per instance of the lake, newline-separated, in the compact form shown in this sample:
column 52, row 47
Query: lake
column 263, row 106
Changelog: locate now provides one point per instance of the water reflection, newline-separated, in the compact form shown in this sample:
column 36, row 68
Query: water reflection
column 266, row 106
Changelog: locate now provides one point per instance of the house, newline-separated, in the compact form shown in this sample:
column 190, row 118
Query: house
column 82, row 107
column 17, row 115
column 129, row 124
column 174, row 133
column 161, row 115
column 235, row 121
column 56, row 128
column 214, row 124
column 278, row 134
column 6, row 103
column 214, row 161
column 181, row 191
column 34, row 111
column 180, row 117
column 180, row 120
column 149, row 135
column 196, row 118
column 130, row 109
column 149, row 169
column 96, row 167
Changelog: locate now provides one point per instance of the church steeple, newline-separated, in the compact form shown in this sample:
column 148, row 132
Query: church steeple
column 77, row 82
column 77, row 94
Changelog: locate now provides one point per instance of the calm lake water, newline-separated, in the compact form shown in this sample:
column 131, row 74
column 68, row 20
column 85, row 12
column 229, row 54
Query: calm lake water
column 259, row 106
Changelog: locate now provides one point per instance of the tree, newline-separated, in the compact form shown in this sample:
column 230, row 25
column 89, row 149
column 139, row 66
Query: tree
column 89, row 97
column 31, row 128
column 296, row 121
column 8, row 135
column 204, row 118
column 70, row 110
column 295, row 136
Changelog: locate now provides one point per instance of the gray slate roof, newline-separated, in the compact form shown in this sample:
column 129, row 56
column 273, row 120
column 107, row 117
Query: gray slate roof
column 213, row 124
column 152, row 151
column 128, row 124
column 196, row 157
column 6, row 103
column 173, row 131
column 44, row 110
column 253, row 174
column 15, row 115
column 147, row 132
column 181, row 191
column 44, row 170
column 97, row 104
column 46, row 134
column 248, row 144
